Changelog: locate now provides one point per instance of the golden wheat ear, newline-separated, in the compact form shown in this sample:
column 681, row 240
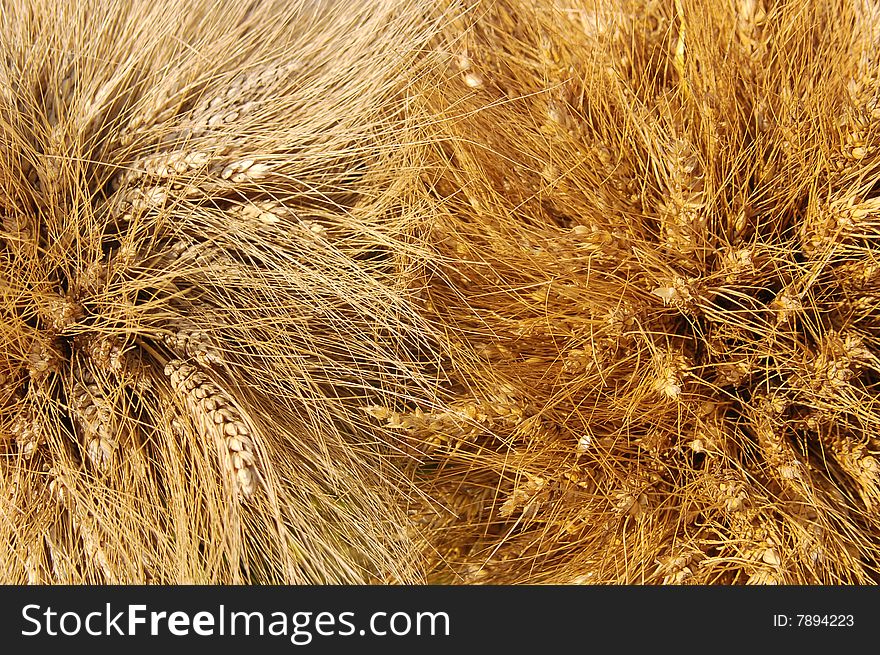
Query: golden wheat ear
column 218, row 420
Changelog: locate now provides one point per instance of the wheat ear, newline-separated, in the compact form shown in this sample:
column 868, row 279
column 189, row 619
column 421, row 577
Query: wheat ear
column 213, row 411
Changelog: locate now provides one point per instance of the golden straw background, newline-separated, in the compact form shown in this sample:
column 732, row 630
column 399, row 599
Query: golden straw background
column 407, row 291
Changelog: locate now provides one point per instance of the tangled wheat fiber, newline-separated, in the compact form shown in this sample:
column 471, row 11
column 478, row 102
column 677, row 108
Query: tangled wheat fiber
column 425, row 290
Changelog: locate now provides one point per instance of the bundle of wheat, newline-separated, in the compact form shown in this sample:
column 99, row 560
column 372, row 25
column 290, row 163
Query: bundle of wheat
column 458, row 291
column 655, row 235
column 196, row 293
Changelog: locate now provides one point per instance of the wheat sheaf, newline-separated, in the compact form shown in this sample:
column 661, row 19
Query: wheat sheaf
column 440, row 291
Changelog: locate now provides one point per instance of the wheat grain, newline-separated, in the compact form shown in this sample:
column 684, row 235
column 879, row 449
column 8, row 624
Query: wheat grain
column 189, row 341
column 28, row 431
column 93, row 412
column 105, row 352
